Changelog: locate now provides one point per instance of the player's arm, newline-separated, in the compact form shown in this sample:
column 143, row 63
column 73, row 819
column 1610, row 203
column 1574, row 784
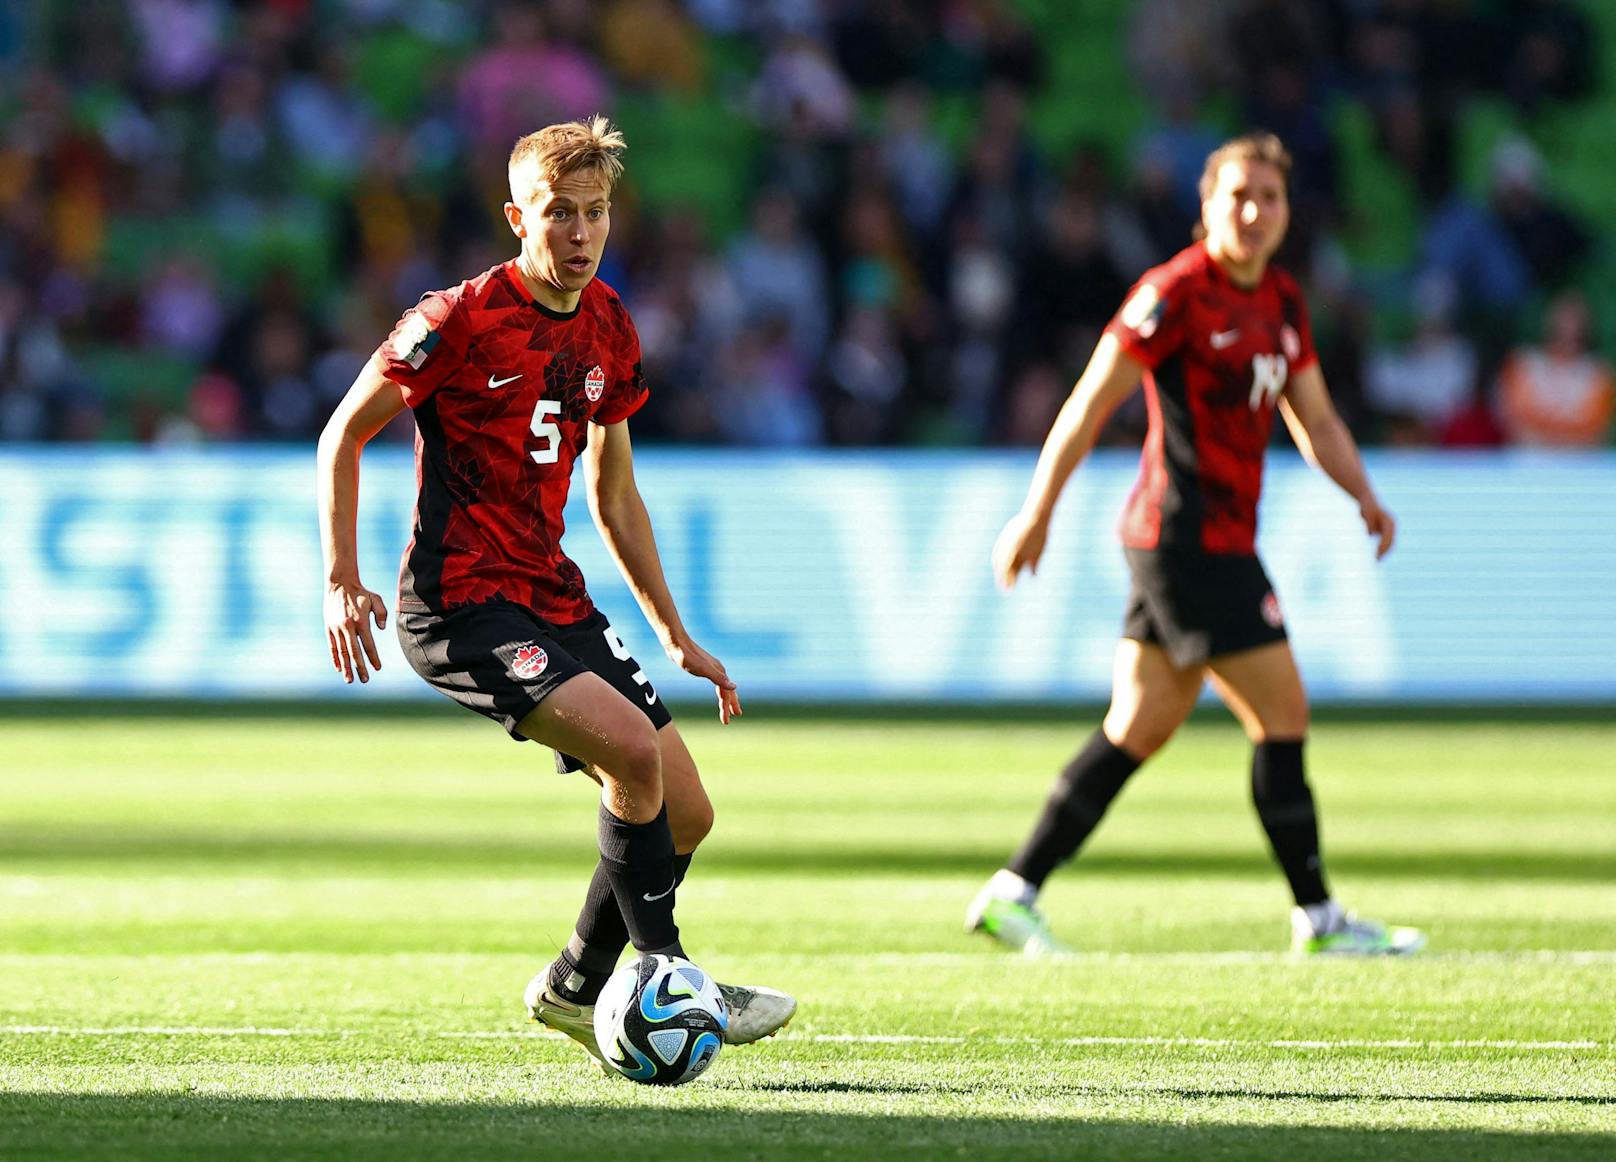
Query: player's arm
column 625, row 526
column 1110, row 375
column 371, row 402
column 1326, row 444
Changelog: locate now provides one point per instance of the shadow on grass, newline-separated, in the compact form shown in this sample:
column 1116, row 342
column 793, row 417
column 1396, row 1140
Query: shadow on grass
column 356, row 850
column 180, row 1127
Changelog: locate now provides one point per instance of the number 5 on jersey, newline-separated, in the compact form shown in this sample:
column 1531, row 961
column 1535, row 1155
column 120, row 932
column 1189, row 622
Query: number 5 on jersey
column 546, row 431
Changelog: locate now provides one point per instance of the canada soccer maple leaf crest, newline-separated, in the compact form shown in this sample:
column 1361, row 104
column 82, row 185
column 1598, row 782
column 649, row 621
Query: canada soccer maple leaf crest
column 528, row 660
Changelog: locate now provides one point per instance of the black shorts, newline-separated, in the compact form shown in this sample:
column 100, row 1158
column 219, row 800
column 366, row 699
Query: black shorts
column 502, row 659
column 1198, row 606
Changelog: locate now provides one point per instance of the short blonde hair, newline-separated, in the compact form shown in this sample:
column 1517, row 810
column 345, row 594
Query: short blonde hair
column 1251, row 147
column 558, row 150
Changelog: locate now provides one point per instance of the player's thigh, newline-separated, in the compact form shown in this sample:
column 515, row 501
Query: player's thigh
column 1263, row 687
column 1150, row 697
column 495, row 658
column 690, row 811
column 586, row 717
column 602, row 652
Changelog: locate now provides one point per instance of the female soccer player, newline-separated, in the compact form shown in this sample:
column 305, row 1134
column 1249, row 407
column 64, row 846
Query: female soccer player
column 513, row 376
column 1221, row 338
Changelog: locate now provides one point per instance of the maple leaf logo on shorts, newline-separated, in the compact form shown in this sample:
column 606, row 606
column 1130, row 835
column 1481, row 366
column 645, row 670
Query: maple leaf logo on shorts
column 529, row 660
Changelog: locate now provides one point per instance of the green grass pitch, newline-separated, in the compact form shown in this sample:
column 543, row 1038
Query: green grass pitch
column 307, row 938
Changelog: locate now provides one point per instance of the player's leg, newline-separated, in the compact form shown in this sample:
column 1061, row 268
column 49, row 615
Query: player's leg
column 755, row 1011
column 1263, row 688
column 1150, row 698
column 589, row 719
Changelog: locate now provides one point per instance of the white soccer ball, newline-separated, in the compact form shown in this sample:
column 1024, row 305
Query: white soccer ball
column 660, row 1020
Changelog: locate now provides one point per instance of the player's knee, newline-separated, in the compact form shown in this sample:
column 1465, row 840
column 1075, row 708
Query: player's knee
column 637, row 761
column 1140, row 737
column 1287, row 721
column 691, row 823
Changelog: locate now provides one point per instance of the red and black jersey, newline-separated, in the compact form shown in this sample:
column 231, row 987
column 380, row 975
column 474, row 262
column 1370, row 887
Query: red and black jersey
column 503, row 391
column 1217, row 357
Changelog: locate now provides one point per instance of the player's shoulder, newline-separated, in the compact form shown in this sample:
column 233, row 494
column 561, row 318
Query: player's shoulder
column 1187, row 267
column 1284, row 281
column 478, row 302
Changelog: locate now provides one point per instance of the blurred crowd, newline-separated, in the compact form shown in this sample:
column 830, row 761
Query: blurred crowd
column 211, row 213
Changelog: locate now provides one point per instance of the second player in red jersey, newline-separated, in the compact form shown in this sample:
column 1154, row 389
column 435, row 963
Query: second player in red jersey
column 1216, row 358
column 1221, row 340
column 514, row 376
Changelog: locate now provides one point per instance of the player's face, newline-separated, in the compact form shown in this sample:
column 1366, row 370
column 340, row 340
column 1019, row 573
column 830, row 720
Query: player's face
column 563, row 228
column 1247, row 212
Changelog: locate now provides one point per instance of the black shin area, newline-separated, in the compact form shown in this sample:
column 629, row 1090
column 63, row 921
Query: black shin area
column 1284, row 804
column 1079, row 798
column 639, row 862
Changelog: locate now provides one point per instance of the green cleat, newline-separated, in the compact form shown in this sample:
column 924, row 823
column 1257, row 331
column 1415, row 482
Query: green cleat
column 1015, row 925
column 1350, row 936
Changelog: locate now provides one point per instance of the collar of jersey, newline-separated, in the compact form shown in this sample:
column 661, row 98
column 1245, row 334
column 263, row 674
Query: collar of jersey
column 520, row 288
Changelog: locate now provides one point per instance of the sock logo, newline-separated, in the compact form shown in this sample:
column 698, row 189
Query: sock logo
column 650, row 899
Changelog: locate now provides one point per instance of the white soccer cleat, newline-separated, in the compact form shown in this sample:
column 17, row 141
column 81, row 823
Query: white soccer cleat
column 576, row 1021
column 1334, row 932
column 755, row 1012
column 1015, row 924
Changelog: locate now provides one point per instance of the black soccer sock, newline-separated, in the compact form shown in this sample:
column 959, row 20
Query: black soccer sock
column 639, row 862
column 598, row 940
column 1285, row 805
column 1079, row 798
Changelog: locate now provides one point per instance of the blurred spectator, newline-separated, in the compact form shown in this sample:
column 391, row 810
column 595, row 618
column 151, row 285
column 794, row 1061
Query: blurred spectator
column 180, row 309
column 1419, row 387
column 526, row 78
column 866, row 379
column 1069, row 287
column 651, row 44
column 765, row 391
column 914, row 159
column 1551, row 52
column 780, row 275
column 1559, row 393
column 324, row 120
column 800, row 83
column 1550, row 241
column 898, row 265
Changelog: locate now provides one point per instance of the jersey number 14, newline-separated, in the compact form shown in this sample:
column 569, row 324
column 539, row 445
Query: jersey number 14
column 1268, row 374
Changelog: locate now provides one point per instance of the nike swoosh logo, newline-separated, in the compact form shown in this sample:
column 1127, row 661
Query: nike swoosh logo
column 1221, row 339
column 646, row 896
column 650, row 698
column 492, row 382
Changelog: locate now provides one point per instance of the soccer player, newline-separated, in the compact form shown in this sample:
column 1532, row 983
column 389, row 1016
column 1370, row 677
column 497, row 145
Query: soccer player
column 513, row 376
column 1221, row 338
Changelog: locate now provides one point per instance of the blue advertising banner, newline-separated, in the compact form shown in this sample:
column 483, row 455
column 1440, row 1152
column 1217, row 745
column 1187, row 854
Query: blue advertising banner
column 818, row 576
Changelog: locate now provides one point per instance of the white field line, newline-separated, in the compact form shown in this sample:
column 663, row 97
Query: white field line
column 1557, row 956
column 826, row 1038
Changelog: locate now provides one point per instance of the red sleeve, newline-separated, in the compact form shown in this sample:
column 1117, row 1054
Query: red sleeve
column 1150, row 323
column 1297, row 336
column 627, row 393
column 426, row 347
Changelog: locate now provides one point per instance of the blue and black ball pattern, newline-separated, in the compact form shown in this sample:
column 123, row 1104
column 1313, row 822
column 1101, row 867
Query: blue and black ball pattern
column 672, row 1030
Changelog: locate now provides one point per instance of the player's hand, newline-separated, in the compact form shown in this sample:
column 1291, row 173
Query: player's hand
column 692, row 659
column 349, row 610
column 1020, row 545
column 1379, row 523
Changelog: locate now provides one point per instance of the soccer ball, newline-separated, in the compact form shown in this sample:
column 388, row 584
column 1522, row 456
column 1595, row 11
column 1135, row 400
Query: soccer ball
column 660, row 1020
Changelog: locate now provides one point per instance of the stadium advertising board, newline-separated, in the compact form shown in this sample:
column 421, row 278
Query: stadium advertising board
column 819, row 576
